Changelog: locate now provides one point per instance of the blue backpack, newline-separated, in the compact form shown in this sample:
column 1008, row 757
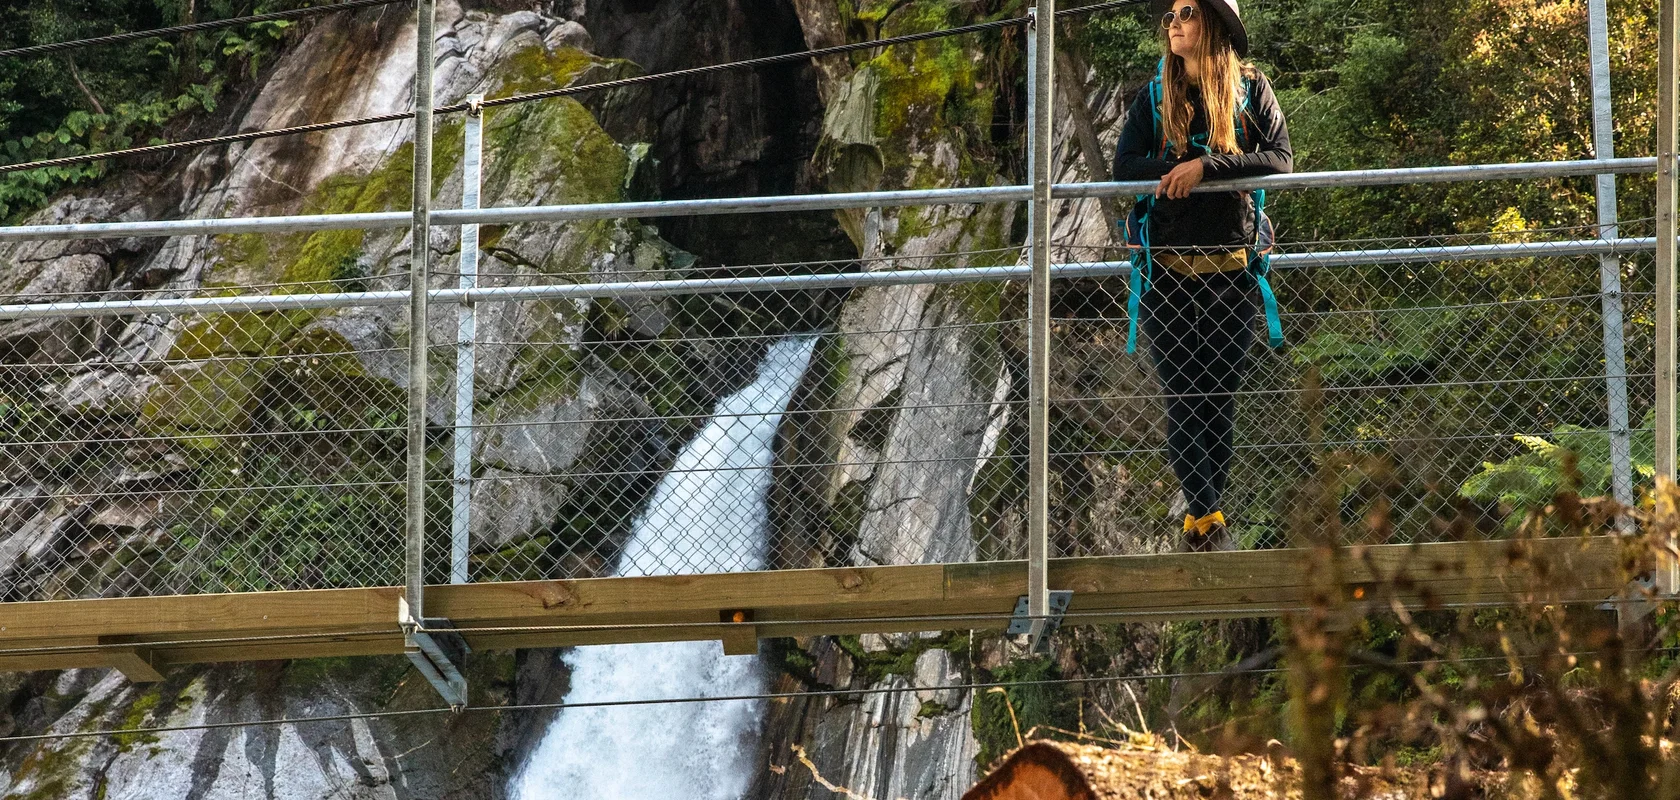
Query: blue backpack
column 1137, row 225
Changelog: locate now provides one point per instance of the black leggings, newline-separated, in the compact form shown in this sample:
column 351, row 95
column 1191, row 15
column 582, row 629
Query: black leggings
column 1199, row 332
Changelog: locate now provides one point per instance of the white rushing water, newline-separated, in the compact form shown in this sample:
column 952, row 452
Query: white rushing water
column 708, row 514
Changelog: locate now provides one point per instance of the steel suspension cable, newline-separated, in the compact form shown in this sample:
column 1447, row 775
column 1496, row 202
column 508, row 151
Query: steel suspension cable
column 1229, row 672
column 751, row 63
column 196, row 27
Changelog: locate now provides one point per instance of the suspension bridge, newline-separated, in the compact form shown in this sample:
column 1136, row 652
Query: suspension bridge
column 402, row 558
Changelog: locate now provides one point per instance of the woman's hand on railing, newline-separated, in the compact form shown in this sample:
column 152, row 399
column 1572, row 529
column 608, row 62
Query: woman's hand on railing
column 1176, row 185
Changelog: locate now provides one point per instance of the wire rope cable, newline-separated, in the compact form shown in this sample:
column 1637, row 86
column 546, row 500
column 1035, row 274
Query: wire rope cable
column 1228, row 672
column 751, row 63
column 196, row 27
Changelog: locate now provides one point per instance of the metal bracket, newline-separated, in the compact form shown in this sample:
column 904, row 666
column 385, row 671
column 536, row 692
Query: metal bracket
column 437, row 652
column 1022, row 624
column 1635, row 603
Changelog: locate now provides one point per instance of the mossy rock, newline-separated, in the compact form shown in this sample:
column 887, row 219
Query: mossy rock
column 209, row 397
column 536, row 69
column 556, row 147
column 312, row 262
column 246, row 333
column 324, row 372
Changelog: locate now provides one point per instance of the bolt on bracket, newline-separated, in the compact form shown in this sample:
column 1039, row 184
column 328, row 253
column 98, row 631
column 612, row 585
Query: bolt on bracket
column 439, row 653
column 1021, row 623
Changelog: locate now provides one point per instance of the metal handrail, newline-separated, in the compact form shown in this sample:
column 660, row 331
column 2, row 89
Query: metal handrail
column 812, row 202
column 802, row 281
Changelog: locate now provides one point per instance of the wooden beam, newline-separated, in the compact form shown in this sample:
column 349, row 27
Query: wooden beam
column 156, row 632
column 696, row 598
column 316, row 609
column 740, row 637
column 137, row 664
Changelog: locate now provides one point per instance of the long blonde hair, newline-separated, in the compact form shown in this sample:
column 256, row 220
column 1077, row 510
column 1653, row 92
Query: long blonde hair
column 1221, row 78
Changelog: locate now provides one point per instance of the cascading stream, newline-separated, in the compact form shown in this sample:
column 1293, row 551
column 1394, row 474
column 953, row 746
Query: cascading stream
column 709, row 514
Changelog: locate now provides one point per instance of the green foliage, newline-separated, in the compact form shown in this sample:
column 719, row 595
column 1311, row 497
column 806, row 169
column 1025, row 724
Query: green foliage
column 1370, row 83
column 1573, row 458
column 1123, row 45
column 291, row 536
column 115, row 96
column 1025, row 702
column 288, row 513
column 1401, row 341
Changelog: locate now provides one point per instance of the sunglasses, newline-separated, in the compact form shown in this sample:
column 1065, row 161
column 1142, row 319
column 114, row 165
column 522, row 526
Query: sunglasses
column 1184, row 14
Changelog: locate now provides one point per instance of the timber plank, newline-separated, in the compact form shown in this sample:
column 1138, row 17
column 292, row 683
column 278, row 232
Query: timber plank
column 137, row 664
column 1231, row 573
column 313, row 609
column 695, row 598
column 154, row 631
column 366, row 645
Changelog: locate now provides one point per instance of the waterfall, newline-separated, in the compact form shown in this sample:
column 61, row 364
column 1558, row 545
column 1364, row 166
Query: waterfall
column 708, row 514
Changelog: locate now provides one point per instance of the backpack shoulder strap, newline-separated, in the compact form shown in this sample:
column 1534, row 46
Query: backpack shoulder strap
column 1142, row 272
column 1155, row 94
column 1244, row 112
column 1260, row 260
column 1260, row 266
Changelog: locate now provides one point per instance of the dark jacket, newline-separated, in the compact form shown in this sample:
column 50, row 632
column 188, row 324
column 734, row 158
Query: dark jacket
column 1206, row 220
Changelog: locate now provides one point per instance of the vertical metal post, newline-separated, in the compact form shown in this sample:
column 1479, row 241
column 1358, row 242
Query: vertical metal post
column 466, row 355
column 1610, row 264
column 1668, row 580
column 1042, row 52
column 418, row 276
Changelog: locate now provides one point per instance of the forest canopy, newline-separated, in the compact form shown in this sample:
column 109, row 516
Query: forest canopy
column 1378, row 83
column 115, row 96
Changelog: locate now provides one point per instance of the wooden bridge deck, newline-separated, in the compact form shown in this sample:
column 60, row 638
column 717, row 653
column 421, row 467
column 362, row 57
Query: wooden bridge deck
column 145, row 636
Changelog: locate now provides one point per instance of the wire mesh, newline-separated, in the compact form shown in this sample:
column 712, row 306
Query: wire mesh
column 1417, row 392
column 164, row 453
column 251, row 451
column 173, row 454
column 738, row 431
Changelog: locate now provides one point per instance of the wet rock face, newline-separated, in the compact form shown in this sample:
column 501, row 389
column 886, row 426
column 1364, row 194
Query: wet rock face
column 736, row 133
column 397, row 757
column 99, row 487
column 742, row 132
column 908, row 738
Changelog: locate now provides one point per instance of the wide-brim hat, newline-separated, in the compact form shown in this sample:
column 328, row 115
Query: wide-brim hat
column 1227, row 12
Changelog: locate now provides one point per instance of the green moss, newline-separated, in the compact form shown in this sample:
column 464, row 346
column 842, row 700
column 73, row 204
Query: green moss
column 251, row 333
column 313, row 674
column 664, row 372
column 934, row 101
column 54, row 766
column 219, row 395
column 930, row 708
column 555, row 152
column 1032, row 702
column 210, row 397
column 878, row 666
column 557, row 145
column 516, row 562
column 785, row 656
column 321, row 382
column 535, row 69
column 139, row 715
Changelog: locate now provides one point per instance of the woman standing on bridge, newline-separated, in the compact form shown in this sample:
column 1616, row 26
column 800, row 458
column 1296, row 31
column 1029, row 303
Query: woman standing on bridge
column 1199, row 259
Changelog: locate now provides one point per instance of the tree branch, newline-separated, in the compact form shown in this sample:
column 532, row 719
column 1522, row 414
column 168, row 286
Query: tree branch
column 1072, row 82
column 86, row 92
